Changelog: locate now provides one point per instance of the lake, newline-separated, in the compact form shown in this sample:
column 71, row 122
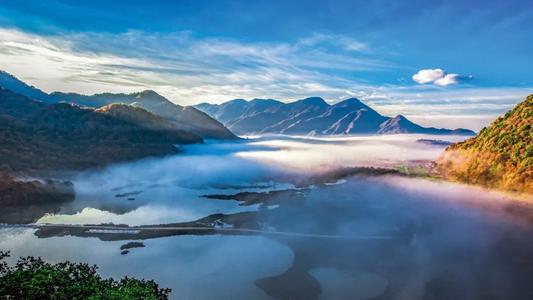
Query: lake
column 293, row 218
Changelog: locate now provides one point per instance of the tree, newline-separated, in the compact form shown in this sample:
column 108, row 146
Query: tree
column 32, row 278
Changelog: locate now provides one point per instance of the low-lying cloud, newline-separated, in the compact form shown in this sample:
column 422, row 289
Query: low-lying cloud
column 427, row 226
column 166, row 190
column 262, row 159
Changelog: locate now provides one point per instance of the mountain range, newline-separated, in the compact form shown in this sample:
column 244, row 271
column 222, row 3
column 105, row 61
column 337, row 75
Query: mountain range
column 184, row 118
column 36, row 136
column 310, row 116
column 41, row 135
column 313, row 116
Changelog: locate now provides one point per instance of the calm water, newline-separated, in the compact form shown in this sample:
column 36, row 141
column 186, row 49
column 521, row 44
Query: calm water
column 385, row 237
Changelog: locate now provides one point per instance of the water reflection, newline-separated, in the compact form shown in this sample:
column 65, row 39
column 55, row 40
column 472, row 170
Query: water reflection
column 195, row 267
column 441, row 240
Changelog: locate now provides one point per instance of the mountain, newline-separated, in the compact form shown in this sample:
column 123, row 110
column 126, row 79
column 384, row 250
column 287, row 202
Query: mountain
column 145, row 119
column 401, row 124
column 227, row 111
column 13, row 84
column 256, row 115
column 500, row 156
column 296, row 112
column 36, row 136
column 312, row 116
column 184, row 118
column 350, row 116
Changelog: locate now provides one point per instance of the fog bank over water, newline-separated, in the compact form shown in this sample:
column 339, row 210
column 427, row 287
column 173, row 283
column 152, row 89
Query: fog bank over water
column 170, row 189
column 216, row 164
column 312, row 154
column 361, row 237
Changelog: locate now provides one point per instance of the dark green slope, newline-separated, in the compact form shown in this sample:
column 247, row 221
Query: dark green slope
column 37, row 136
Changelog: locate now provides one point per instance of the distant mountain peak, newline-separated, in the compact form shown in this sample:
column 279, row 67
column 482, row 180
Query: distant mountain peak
column 12, row 83
column 4, row 73
column 259, row 100
column 400, row 120
column 313, row 115
column 352, row 103
column 313, row 101
column 236, row 101
column 399, row 124
column 148, row 94
column 10, row 76
column 352, row 100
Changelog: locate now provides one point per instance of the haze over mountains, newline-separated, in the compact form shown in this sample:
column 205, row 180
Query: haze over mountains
column 38, row 136
column 313, row 116
column 310, row 116
column 184, row 118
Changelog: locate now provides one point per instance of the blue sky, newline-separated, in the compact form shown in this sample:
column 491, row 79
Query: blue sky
column 438, row 62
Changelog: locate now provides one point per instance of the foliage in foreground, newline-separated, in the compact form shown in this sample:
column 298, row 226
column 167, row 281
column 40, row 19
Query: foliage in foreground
column 500, row 156
column 32, row 278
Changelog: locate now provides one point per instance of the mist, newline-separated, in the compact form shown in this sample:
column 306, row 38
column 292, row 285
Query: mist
column 388, row 236
column 165, row 190
column 262, row 159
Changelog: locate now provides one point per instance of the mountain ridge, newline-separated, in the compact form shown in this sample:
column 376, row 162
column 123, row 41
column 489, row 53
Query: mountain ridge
column 38, row 136
column 18, row 86
column 313, row 116
column 185, row 118
column 500, row 156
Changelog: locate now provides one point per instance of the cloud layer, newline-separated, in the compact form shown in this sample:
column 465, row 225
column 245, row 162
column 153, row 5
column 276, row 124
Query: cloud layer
column 188, row 70
column 185, row 68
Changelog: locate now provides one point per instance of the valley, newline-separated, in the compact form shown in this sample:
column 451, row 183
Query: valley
column 309, row 221
column 321, row 207
column 266, row 150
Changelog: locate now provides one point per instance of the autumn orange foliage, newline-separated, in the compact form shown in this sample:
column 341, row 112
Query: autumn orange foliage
column 500, row 156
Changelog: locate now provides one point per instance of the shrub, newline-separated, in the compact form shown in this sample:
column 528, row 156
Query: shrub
column 32, row 278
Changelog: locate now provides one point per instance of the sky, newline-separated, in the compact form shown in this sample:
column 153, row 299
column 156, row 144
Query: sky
column 441, row 63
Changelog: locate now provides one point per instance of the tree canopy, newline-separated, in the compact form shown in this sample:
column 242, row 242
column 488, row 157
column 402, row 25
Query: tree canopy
column 33, row 278
column 500, row 156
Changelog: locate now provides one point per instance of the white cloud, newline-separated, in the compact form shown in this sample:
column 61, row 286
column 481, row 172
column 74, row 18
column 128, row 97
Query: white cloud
column 448, row 79
column 438, row 77
column 189, row 70
column 466, row 106
column 428, row 75
column 184, row 68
